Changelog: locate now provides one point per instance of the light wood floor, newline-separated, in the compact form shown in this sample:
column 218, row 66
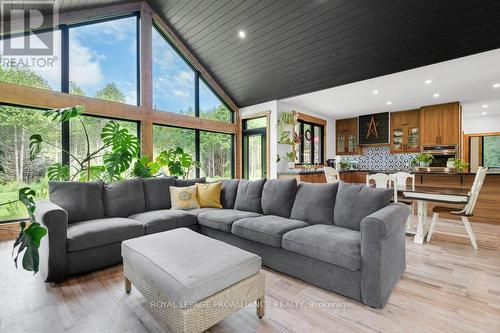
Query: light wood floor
column 447, row 287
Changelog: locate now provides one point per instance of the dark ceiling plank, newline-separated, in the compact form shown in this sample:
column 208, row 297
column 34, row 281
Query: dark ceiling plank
column 192, row 14
column 189, row 23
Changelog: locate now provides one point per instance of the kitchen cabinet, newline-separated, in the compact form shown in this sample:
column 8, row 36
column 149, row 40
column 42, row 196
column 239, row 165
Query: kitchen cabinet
column 353, row 176
column 347, row 136
column 312, row 178
column 440, row 124
column 405, row 131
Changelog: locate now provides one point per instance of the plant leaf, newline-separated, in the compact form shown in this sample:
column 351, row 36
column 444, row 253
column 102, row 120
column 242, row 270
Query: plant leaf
column 27, row 197
column 35, row 145
column 29, row 240
column 65, row 114
column 58, row 171
column 117, row 162
column 95, row 172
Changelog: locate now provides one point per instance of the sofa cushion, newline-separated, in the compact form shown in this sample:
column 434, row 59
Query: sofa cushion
column 355, row 202
column 164, row 219
column 222, row 219
column 184, row 197
column 189, row 182
column 249, row 195
column 209, row 194
column 319, row 196
column 198, row 211
column 81, row 200
column 278, row 196
column 122, row 199
column 157, row 192
column 187, row 266
column 228, row 192
column 266, row 229
column 93, row 233
column 329, row 243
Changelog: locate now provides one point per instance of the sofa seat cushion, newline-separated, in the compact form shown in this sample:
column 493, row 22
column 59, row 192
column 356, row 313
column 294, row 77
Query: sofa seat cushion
column 93, row 233
column 266, row 229
column 164, row 219
column 187, row 266
column 222, row 219
column 329, row 243
column 198, row 211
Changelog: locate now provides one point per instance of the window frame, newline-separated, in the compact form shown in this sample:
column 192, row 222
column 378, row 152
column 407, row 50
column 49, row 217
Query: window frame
column 246, row 133
column 300, row 154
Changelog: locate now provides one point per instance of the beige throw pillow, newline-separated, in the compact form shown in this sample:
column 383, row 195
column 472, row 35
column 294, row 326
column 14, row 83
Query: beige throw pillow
column 184, row 197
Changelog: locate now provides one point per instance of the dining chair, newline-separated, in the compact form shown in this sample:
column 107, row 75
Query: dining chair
column 383, row 180
column 332, row 175
column 402, row 180
column 464, row 213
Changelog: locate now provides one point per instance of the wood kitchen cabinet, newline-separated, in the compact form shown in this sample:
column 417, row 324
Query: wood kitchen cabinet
column 405, row 131
column 440, row 124
column 353, row 176
column 313, row 178
column 347, row 136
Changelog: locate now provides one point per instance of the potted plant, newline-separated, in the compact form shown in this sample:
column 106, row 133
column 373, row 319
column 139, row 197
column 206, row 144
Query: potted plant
column 422, row 160
column 450, row 163
column 290, row 157
column 460, row 165
column 344, row 165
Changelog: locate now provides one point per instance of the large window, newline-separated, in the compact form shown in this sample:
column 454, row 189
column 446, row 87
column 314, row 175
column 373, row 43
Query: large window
column 216, row 155
column 168, row 137
column 310, row 148
column 38, row 71
column 254, row 148
column 211, row 106
column 103, row 60
column 17, row 124
column 491, row 151
column 173, row 79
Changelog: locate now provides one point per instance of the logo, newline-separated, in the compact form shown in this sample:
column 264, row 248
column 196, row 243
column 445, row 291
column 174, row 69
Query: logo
column 28, row 31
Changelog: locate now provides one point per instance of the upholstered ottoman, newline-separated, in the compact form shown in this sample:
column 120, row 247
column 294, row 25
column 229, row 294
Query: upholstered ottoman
column 192, row 281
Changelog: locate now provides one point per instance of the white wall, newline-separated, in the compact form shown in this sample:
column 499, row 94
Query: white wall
column 481, row 124
column 272, row 134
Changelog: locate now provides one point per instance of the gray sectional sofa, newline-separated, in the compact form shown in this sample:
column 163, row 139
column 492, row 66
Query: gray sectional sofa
column 343, row 237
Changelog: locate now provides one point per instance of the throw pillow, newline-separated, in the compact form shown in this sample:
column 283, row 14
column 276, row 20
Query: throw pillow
column 209, row 195
column 355, row 202
column 184, row 197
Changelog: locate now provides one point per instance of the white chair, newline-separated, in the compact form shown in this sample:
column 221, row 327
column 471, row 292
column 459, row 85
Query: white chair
column 466, row 211
column 332, row 175
column 402, row 180
column 383, row 180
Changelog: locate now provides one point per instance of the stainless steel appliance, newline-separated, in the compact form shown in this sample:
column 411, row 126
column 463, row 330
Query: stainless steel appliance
column 441, row 155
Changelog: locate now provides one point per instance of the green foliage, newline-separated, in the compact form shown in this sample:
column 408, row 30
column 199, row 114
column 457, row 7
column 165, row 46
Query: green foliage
column 178, row 162
column 344, row 164
column 64, row 114
column 28, row 240
column 2, row 170
column 142, row 168
column 460, row 165
column 491, row 151
column 422, row 158
column 111, row 92
column 35, row 146
column 58, row 171
column 291, row 156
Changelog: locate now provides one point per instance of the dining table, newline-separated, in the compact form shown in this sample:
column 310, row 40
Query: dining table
column 422, row 195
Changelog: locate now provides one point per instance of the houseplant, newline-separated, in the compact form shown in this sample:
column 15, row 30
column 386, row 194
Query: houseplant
column 459, row 164
column 422, row 160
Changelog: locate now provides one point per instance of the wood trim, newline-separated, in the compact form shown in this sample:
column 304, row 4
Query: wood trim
column 169, row 32
column 311, row 119
column 146, row 87
column 175, row 119
column 255, row 115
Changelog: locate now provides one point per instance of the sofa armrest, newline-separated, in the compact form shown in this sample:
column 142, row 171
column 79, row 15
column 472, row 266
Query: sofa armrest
column 383, row 253
column 53, row 246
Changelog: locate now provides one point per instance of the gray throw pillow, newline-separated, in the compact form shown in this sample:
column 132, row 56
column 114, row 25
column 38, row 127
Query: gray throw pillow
column 355, row 202
column 228, row 193
column 157, row 192
column 188, row 182
column 125, row 198
column 314, row 203
column 278, row 196
column 248, row 197
column 82, row 200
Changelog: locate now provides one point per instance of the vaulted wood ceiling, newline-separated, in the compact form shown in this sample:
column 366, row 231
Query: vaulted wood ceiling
column 295, row 47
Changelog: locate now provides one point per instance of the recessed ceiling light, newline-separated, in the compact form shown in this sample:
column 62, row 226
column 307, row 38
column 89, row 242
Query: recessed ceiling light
column 484, row 113
column 484, row 106
column 389, row 103
column 242, row 34
column 428, row 81
column 375, row 92
column 496, row 85
column 436, row 95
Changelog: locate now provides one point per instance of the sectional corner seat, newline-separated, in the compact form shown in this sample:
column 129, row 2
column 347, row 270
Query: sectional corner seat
column 343, row 237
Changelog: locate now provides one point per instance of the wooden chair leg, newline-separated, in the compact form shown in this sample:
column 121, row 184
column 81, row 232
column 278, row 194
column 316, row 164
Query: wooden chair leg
column 435, row 217
column 128, row 286
column 261, row 307
column 470, row 232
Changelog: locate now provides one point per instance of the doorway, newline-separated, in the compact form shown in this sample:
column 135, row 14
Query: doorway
column 255, row 148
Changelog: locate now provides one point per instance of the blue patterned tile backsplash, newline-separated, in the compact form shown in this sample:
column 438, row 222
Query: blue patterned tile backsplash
column 380, row 158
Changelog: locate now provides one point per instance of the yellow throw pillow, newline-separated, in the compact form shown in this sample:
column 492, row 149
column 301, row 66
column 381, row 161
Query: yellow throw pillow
column 184, row 197
column 209, row 195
